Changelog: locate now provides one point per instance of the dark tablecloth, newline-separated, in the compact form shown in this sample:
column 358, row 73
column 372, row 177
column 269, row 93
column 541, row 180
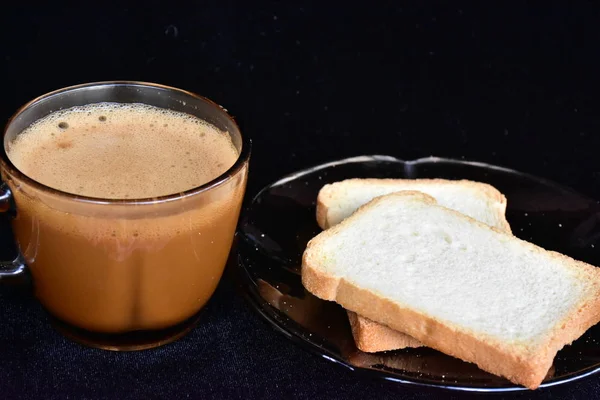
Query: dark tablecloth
column 515, row 85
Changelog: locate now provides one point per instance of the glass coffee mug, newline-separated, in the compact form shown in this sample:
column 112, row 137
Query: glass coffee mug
column 124, row 274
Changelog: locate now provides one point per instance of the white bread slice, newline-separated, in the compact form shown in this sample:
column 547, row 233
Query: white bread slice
column 455, row 284
column 484, row 202
column 338, row 200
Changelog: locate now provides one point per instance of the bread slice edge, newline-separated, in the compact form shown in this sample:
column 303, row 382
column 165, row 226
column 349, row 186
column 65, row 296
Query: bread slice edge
column 372, row 337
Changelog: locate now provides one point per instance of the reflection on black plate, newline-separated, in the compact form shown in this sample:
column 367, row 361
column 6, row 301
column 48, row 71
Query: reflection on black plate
column 281, row 220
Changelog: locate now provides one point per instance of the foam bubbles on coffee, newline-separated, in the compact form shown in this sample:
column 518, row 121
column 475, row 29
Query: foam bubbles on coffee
column 122, row 151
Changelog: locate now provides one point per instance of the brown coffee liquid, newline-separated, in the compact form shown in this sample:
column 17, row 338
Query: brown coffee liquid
column 114, row 268
column 120, row 151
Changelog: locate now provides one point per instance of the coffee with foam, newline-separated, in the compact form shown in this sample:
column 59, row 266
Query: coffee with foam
column 114, row 268
column 122, row 151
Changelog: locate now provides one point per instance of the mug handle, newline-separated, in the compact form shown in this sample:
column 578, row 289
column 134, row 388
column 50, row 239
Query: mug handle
column 15, row 267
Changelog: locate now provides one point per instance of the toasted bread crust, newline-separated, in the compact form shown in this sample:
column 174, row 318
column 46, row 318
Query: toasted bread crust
column 489, row 354
column 322, row 209
column 372, row 337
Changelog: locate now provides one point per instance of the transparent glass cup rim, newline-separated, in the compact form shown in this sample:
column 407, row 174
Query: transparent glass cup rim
column 244, row 153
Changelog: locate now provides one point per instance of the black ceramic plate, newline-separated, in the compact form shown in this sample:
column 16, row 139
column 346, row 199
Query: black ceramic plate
column 281, row 219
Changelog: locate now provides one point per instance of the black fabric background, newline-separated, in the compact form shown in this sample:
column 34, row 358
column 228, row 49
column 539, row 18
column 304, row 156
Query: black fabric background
column 514, row 85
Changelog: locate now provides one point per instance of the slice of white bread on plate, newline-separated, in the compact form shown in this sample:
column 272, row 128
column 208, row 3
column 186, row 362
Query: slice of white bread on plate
column 338, row 200
column 457, row 285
